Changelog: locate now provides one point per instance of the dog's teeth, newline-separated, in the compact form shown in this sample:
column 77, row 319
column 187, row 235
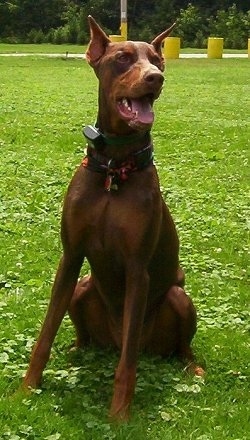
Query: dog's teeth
column 126, row 104
column 128, row 107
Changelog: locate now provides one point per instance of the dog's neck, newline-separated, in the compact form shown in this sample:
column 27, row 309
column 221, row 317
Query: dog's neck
column 120, row 138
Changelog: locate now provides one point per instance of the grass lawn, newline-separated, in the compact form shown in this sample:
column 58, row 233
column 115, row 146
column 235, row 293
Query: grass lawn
column 77, row 49
column 41, row 48
column 201, row 138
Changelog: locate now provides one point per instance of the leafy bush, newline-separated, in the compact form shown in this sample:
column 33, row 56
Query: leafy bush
column 82, row 37
column 60, row 35
column 200, row 40
column 36, row 36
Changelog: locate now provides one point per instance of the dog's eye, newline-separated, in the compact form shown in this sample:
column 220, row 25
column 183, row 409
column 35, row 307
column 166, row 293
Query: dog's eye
column 123, row 58
column 156, row 61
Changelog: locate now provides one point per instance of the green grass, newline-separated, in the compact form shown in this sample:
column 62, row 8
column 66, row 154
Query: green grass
column 76, row 49
column 41, row 48
column 201, row 138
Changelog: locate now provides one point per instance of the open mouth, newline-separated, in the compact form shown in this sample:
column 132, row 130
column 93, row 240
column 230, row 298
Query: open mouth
column 137, row 110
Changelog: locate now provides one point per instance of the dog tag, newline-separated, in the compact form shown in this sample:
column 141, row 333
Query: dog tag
column 108, row 182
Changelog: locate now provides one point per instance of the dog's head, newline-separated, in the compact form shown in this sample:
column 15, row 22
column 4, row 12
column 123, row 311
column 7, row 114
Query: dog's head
column 130, row 76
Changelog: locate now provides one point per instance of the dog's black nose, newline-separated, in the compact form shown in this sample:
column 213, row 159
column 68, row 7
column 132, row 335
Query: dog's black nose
column 155, row 78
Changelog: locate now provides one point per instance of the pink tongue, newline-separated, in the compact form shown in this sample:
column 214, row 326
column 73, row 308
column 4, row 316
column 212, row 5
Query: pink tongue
column 144, row 110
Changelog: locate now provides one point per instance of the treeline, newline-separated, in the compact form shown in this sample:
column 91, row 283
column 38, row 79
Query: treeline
column 65, row 21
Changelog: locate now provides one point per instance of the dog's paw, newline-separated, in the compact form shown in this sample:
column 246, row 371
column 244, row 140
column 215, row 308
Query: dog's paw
column 194, row 369
column 198, row 371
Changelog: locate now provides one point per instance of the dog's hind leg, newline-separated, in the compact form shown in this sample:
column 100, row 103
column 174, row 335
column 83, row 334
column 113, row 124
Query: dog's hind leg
column 89, row 315
column 175, row 327
column 185, row 312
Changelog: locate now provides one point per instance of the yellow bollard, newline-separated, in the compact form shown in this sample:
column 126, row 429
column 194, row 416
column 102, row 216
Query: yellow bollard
column 172, row 47
column 124, row 30
column 248, row 47
column 215, row 47
column 116, row 38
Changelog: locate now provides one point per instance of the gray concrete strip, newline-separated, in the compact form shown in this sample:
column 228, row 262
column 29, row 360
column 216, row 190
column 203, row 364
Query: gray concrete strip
column 82, row 55
column 204, row 55
column 48, row 55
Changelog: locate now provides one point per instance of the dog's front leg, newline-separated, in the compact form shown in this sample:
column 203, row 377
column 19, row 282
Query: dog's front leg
column 137, row 284
column 62, row 292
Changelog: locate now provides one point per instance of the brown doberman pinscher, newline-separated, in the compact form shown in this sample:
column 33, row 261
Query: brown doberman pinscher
column 114, row 215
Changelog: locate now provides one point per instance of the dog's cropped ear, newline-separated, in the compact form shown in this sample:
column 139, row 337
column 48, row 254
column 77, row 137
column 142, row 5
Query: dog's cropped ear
column 98, row 43
column 157, row 41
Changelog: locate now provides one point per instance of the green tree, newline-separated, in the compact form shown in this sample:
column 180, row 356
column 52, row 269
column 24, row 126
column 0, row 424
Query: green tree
column 232, row 25
column 19, row 17
column 66, row 20
column 190, row 26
